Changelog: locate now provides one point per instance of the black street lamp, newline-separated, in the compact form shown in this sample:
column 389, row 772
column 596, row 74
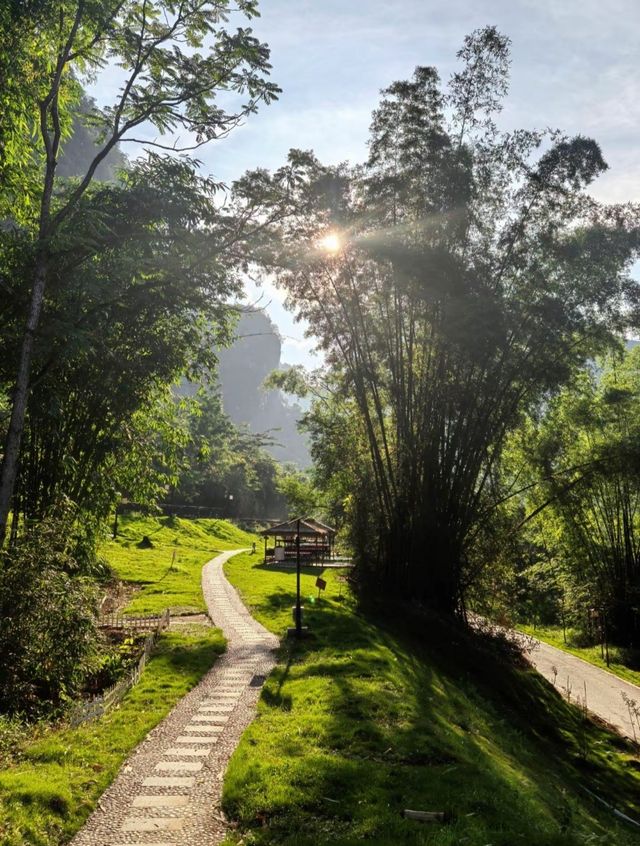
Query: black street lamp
column 298, row 630
column 298, row 605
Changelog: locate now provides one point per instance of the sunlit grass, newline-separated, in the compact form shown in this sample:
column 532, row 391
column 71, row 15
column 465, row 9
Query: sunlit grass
column 47, row 794
column 370, row 716
column 52, row 786
column 169, row 572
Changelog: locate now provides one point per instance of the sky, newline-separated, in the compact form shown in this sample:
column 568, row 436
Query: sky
column 575, row 66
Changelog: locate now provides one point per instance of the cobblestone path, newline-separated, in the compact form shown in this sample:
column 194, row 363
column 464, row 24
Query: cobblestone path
column 168, row 792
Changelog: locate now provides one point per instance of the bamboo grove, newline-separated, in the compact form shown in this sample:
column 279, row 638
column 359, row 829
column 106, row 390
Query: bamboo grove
column 456, row 280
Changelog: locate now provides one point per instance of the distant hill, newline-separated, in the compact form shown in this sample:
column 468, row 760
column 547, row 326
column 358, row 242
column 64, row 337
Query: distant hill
column 79, row 150
column 243, row 368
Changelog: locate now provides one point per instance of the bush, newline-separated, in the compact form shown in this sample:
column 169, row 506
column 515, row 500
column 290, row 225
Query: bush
column 47, row 622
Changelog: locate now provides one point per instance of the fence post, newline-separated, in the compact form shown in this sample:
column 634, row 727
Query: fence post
column 83, row 712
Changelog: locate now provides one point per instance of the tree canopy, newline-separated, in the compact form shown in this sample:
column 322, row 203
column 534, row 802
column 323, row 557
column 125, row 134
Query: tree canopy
column 178, row 61
column 455, row 280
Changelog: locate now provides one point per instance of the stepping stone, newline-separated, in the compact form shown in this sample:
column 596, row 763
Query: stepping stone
column 169, row 781
column 180, row 766
column 189, row 751
column 160, row 801
column 152, row 824
column 204, row 729
column 220, row 707
column 205, row 718
column 216, row 718
column 193, row 738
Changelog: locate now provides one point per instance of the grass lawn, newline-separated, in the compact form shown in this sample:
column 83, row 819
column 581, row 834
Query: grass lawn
column 47, row 794
column 169, row 580
column 51, row 785
column 553, row 636
column 364, row 719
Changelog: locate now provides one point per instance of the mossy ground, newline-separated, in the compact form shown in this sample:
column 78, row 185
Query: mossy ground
column 60, row 771
column 376, row 713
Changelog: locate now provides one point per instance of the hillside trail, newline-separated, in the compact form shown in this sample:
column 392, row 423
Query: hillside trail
column 168, row 792
column 585, row 684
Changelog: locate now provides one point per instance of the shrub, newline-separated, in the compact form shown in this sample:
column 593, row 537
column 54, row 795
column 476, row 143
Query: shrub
column 47, row 621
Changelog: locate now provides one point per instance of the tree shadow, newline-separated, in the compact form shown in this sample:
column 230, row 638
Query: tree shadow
column 408, row 712
column 305, row 569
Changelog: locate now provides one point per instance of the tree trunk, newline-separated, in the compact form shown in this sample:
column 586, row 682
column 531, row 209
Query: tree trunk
column 21, row 396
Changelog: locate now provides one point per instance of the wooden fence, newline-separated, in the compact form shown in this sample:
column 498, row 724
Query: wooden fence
column 144, row 621
column 92, row 709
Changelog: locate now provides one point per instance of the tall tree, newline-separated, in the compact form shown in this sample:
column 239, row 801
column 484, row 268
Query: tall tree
column 454, row 280
column 168, row 85
column 136, row 297
column 581, row 459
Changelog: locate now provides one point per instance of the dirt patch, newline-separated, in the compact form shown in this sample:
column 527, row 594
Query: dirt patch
column 117, row 595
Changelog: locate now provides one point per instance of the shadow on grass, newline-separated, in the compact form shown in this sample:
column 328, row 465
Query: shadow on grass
column 360, row 721
column 305, row 569
column 187, row 658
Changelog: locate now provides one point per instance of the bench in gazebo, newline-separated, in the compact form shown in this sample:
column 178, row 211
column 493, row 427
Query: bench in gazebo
column 316, row 541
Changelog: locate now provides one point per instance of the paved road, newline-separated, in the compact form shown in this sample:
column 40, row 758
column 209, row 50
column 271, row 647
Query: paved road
column 603, row 689
column 168, row 792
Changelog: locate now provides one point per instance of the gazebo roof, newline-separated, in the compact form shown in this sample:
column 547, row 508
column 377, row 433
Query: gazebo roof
column 321, row 526
column 308, row 526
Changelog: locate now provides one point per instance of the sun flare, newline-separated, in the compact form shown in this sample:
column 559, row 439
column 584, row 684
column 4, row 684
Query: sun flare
column 331, row 243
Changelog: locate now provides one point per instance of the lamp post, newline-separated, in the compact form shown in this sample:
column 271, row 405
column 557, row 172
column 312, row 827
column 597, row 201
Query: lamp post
column 298, row 605
column 297, row 630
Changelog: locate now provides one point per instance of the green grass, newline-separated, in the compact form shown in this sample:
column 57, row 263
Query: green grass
column 617, row 657
column 368, row 717
column 49, row 792
column 167, row 581
column 51, row 785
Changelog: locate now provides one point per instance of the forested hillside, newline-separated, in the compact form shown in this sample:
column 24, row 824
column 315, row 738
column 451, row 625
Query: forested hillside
column 244, row 366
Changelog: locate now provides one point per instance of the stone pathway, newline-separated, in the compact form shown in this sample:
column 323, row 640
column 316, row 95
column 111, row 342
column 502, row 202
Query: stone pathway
column 573, row 676
column 168, row 792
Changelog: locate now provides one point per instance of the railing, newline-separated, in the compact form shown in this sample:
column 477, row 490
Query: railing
column 143, row 621
column 94, row 708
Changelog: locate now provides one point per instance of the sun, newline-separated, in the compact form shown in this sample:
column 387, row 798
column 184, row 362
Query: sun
column 331, row 243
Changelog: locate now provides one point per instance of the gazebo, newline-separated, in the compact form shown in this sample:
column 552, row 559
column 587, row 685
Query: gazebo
column 316, row 541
